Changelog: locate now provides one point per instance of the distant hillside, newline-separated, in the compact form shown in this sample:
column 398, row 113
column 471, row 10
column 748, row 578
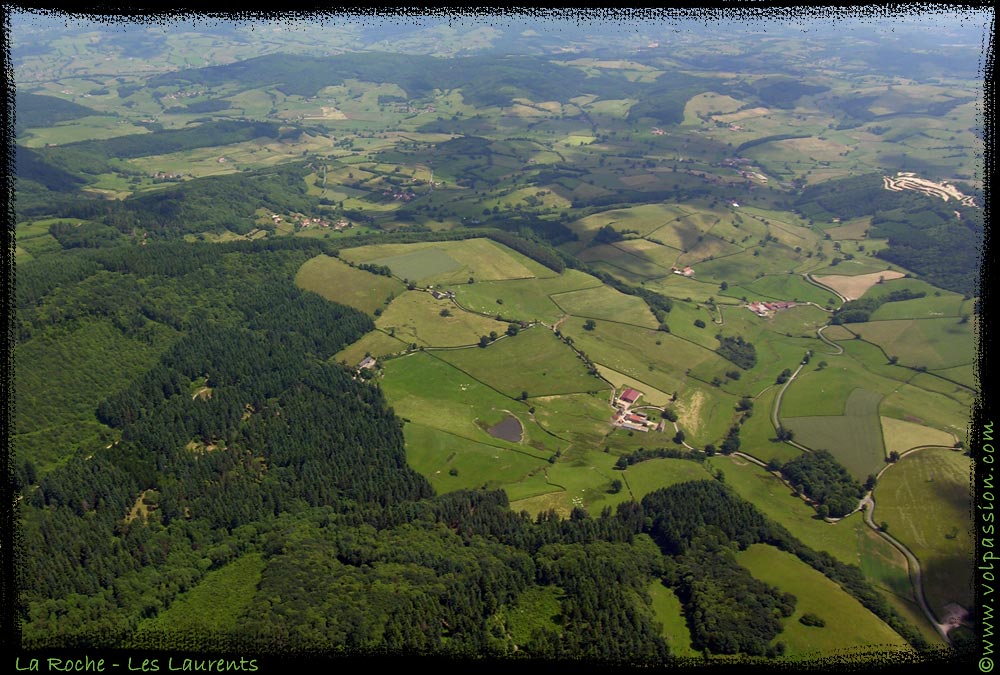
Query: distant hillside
column 484, row 81
column 924, row 233
column 34, row 110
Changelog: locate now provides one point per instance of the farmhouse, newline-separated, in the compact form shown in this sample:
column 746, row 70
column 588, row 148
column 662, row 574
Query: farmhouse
column 765, row 309
column 367, row 362
column 685, row 272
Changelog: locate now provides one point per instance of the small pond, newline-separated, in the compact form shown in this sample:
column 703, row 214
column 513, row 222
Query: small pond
column 509, row 429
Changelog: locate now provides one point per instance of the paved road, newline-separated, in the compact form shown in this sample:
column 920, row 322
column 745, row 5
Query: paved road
column 808, row 277
column 777, row 405
column 819, row 332
column 913, row 566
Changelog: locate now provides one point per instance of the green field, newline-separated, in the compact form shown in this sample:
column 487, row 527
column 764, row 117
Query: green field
column 742, row 268
column 825, row 391
column 522, row 299
column 962, row 374
column 854, row 438
column 582, row 419
column 758, row 436
column 580, row 479
column 339, row 282
column 657, row 358
column 801, row 321
column 681, row 322
column 604, row 302
column 653, row 474
column 535, row 361
column 428, row 391
column 669, row 612
column 849, row 625
column 415, row 317
column 925, row 499
column 449, row 262
column 915, row 404
column 436, row 454
column 787, row 287
column 642, row 219
column 928, row 343
column 929, row 307
column 632, row 260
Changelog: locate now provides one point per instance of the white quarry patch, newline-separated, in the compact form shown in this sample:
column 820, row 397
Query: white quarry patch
column 905, row 180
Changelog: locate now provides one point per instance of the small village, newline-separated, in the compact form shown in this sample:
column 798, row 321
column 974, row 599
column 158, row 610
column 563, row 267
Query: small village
column 303, row 221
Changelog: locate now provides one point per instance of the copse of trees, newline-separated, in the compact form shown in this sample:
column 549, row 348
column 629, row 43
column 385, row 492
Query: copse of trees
column 823, row 479
column 737, row 350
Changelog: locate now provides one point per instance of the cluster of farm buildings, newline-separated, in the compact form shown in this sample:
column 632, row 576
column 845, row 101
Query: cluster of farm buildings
column 766, row 309
column 684, row 272
column 626, row 418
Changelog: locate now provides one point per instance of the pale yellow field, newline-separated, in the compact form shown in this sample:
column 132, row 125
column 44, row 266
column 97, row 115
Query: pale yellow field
column 619, row 380
column 555, row 501
column 900, row 436
column 376, row 343
column 853, row 287
column 689, row 411
column 742, row 115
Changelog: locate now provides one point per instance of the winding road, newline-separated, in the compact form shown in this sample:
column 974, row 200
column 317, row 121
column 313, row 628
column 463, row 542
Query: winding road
column 867, row 506
column 819, row 333
column 912, row 566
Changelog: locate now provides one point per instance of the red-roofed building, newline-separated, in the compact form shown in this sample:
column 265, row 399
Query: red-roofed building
column 630, row 396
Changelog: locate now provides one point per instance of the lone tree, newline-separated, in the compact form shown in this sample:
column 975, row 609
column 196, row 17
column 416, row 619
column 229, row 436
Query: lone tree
column 616, row 486
column 589, row 324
